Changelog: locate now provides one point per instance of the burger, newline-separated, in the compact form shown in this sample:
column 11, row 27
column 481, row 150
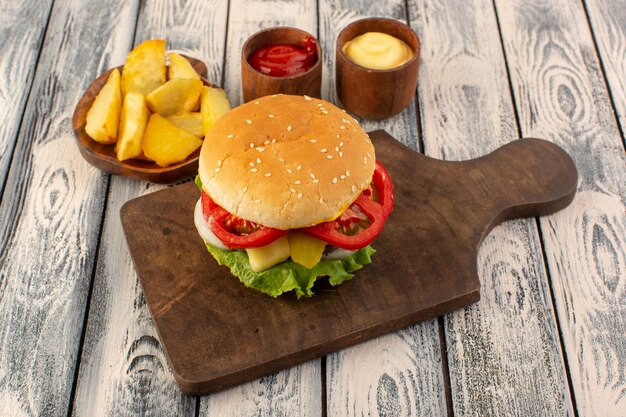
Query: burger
column 291, row 191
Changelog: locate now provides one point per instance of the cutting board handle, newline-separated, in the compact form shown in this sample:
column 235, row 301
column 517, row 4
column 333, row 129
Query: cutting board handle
column 528, row 177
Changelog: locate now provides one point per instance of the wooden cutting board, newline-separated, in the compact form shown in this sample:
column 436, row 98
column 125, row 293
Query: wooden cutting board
column 218, row 333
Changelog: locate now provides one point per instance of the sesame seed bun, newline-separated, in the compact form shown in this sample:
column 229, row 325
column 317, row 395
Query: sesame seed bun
column 286, row 161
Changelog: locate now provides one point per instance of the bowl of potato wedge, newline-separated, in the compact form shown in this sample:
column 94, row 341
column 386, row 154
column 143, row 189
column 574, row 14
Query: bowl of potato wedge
column 147, row 118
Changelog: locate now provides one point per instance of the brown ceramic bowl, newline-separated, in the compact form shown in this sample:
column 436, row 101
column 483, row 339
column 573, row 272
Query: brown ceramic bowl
column 256, row 84
column 103, row 156
column 376, row 94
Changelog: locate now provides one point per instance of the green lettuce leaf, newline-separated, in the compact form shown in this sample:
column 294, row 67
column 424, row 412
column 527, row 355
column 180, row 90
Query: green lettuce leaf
column 289, row 275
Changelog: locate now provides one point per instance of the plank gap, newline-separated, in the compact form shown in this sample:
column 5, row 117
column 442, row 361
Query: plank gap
column 11, row 151
column 223, row 73
column 445, row 370
column 570, row 385
column 603, row 71
column 324, row 406
column 197, row 411
column 518, row 125
column 83, row 332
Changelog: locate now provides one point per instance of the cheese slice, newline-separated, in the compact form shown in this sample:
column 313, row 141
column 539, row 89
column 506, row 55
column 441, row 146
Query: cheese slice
column 269, row 255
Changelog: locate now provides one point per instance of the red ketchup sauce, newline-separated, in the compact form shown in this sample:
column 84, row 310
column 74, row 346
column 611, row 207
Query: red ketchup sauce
column 282, row 60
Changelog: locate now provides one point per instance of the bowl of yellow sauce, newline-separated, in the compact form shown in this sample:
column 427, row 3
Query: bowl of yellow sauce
column 377, row 63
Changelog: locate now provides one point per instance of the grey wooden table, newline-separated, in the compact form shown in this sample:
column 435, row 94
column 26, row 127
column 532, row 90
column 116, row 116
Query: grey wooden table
column 547, row 338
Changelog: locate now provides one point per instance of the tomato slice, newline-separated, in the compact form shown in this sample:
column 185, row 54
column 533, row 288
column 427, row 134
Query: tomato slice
column 228, row 229
column 234, row 231
column 208, row 205
column 359, row 225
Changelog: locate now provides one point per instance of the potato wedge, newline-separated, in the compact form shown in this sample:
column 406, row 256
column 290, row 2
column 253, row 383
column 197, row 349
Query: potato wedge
column 133, row 123
column 165, row 143
column 191, row 122
column 104, row 115
column 175, row 96
column 180, row 67
column 213, row 105
column 144, row 70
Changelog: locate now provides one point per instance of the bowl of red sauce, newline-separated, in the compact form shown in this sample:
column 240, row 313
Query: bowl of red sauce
column 281, row 60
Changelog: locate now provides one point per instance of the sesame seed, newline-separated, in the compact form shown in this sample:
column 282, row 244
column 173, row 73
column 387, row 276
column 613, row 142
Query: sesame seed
column 271, row 116
column 254, row 170
column 340, row 154
column 368, row 155
column 269, row 174
column 273, row 141
column 230, row 136
column 320, row 104
column 353, row 188
column 344, row 120
column 217, row 170
column 342, row 127
column 307, row 98
column 313, row 140
column 299, row 167
column 342, row 177
column 249, row 121
column 245, row 189
column 324, row 150
column 336, row 148
column 335, row 180
column 297, row 182
column 299, row 195
column 258, row 160
column 324, row 111
column 257, row 201
column 267, row 142
column 251, row 145
column 289, row 171
column 340, row 143
column 347, row 173
column 289, row 128
column 256, row 102
column 219, row 163
column 281, row 159
column 312, row 175
column 315, row 181
column 338, row 137
column 321, row 200
column 251, row 164
column 293, row 190
column 329, row 157
column 260, row 149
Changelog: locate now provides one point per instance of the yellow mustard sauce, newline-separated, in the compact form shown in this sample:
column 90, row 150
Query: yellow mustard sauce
column 379, row 51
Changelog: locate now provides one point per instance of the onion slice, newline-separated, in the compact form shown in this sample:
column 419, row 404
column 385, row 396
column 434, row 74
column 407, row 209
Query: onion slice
column 203, row 228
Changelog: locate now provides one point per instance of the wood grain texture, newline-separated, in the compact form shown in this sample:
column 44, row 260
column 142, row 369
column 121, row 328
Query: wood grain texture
column 608, row 22
column 50, row 217
column 22, row 26
column 247, row 17
column 124, row 369
column 425, row 375
column 560, row 95
column 504, row 355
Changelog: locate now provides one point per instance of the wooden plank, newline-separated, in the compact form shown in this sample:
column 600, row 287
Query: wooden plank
column 50, row 215
column 400, row 373
column 560, row 95
column 22, row 27
column 504, row 355
column 123, row 370
column 608, row 22
column 294, row 391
